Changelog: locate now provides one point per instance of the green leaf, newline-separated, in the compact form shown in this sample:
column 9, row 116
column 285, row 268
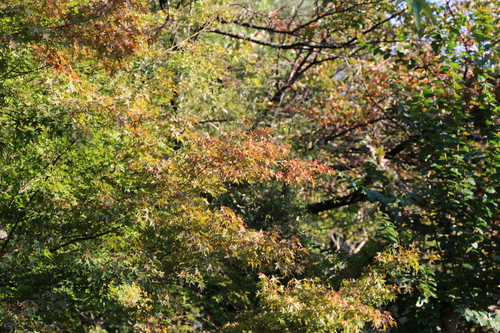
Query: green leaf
column 468, row 266
column 415, row 7
column 419, row 6
column 428, row 11
column 49, row 255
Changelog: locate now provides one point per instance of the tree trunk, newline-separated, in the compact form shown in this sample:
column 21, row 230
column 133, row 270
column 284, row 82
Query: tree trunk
column 449, row 319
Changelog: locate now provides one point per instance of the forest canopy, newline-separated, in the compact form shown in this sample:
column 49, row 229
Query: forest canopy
column 249, row 166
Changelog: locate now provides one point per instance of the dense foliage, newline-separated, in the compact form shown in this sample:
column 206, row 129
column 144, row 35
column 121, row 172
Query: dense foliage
column 249, row 166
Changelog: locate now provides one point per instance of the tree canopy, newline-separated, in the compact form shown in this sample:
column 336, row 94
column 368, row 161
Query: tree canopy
column 249, row 166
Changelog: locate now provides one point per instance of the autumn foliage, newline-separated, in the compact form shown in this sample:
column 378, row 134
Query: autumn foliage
column 212, row 166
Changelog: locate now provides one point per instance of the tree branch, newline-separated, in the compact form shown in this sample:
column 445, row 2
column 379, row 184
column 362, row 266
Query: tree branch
column 301, row 45
column 400, row 147
column 215, row 120
column 293, row 46
column 302, row 26
column 354, row 197
column 352, row 128
column 32, row 197
column 82, row 238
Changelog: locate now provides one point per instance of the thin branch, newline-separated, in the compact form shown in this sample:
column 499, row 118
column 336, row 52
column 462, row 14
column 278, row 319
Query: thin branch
column 295, row 74
column 400, row 147
column 83, row 238
column 215, row 120
column 352, row 128
column 370, row 97
column 354, row 197
column 345, row 167
column 358, row 195
column 305, row 45
column 302, row 26
column 18, row 220
column 294, row 46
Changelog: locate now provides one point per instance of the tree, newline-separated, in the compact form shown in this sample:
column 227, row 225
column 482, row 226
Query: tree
column 105, row 220
column 176, row 167
column 389, row 125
